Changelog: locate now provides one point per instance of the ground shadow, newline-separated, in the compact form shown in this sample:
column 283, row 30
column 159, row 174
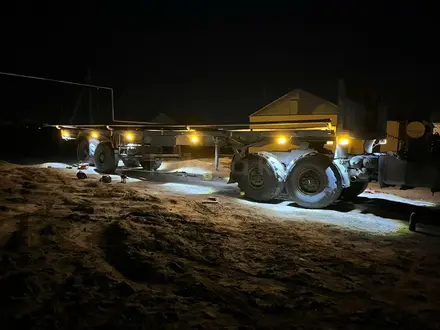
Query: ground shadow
column 397, row 210
column 385, row 208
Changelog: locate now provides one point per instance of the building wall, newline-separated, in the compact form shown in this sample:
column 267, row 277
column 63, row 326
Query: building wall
column 311, row 104
column 301, row 105
column 296, row 105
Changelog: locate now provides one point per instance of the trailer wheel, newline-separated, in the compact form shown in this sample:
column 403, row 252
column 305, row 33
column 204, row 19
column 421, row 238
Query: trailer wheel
column 314, row 182
column 82, row 151
column 151, row 165
column 412, row 222
column 257, row 178
column 105, row 158
column 355, row 189
column 131, row 162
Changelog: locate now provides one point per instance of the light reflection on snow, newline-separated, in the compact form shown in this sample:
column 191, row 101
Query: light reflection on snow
column 188, row 189
column 55, row 165
column 353, row 219
column 89, row 170
column 190, row 170
column 195, row 166
column 395, row 198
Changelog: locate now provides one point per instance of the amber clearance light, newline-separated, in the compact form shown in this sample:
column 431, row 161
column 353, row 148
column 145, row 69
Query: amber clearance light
column 194, row 139
column 129, row 136
column 344, row 141
column 281, row 140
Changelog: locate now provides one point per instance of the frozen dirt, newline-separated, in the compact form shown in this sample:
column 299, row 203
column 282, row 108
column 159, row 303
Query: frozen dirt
column 177, row 252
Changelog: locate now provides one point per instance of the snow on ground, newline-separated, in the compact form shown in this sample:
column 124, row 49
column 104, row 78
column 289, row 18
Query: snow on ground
column 353, row 219
column 80, row 254
column 197, row 166
column 357, row 217
column 394, row 198
column 90, row 170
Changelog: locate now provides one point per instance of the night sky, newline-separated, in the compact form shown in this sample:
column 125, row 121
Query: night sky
column 206, row 62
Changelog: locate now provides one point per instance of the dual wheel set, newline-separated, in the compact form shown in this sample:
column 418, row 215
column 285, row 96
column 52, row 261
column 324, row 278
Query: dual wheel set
column 311, row 182
column 106, row 161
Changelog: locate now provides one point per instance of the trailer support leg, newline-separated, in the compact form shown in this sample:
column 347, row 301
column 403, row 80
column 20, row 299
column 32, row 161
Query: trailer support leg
column 216, row 156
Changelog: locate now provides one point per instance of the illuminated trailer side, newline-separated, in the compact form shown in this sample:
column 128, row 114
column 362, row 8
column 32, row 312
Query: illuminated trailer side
column 139, row 145
column 307, row 173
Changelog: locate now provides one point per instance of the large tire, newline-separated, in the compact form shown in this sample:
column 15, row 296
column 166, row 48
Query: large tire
column 355, row 189
column 151, row 165
column 105, row 158
column 314, row 182
column 131, row 162
column 257, row 177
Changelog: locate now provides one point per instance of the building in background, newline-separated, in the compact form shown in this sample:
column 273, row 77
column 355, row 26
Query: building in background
column 295, row 105
column 302, row 105
column 162, row 118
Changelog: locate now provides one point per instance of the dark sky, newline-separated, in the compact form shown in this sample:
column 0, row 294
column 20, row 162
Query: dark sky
column 204, row 61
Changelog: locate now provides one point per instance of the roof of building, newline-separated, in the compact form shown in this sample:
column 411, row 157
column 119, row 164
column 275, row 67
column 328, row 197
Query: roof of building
column 162, row 118
column 293, row 93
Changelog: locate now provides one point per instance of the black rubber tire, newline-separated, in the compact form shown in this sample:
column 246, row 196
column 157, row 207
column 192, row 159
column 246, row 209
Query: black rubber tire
column 82, row 151
column 330, row 183
column 131, row 162
column 270, row 188
column 236, row 168
column 105, row 158
column 412, row 222
column 151, row 165
column 355, row 189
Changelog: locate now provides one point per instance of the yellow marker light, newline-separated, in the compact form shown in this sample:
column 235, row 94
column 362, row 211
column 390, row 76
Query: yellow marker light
column 282, row 140
column 383, row 141
column 194, row 139
column 330, row 143
column 94, row 135
column 129, row 136
column 344, row 141
column 65, row 134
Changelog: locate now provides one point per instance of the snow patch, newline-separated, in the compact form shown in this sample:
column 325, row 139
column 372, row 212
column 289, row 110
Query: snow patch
column 188, row 189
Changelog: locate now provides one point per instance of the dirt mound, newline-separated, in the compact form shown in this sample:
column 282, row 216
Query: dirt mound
column 132, row 259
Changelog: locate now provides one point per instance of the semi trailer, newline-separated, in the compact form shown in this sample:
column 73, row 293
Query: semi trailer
column 318, row 165
column 314, row 174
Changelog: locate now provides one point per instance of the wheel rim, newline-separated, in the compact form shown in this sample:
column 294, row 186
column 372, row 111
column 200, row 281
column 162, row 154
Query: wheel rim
column 256, row 179
column 310, row 182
